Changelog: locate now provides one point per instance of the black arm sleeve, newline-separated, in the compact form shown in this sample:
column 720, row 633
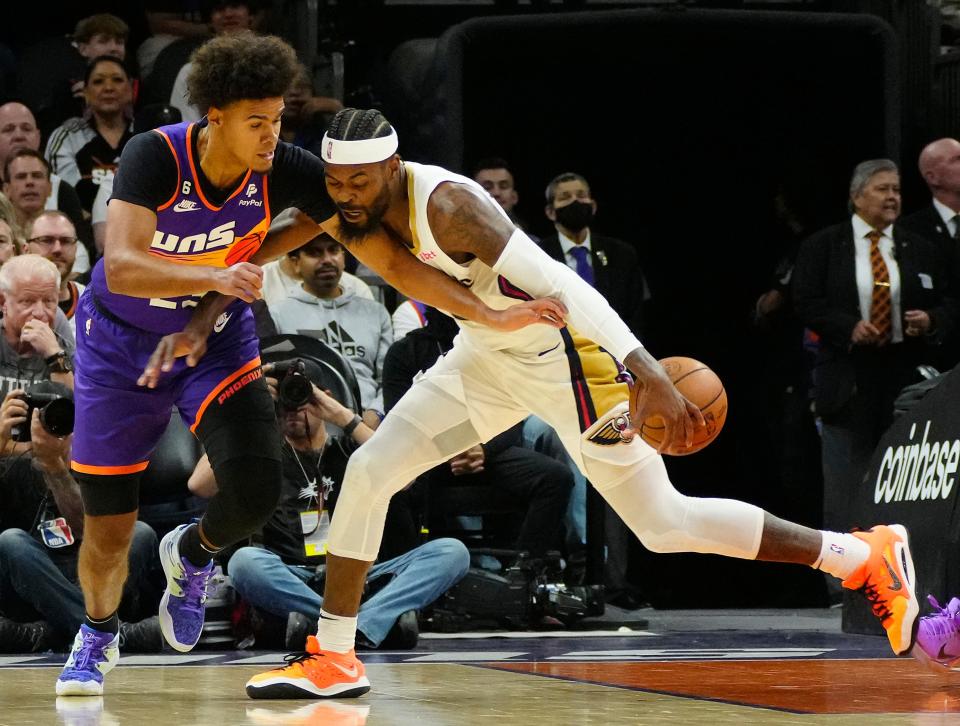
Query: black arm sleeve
column 297, row 181
column 147, row 175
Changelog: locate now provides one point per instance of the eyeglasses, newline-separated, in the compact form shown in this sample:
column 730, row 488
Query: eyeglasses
column 49, row 240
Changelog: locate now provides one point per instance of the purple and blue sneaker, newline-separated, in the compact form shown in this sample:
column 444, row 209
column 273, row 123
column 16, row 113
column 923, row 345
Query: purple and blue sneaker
column 938, row 635
column 184, row 601
column 93, row 654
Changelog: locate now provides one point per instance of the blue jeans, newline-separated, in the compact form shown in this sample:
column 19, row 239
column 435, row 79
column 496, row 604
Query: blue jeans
column 418, row 577
column 35, row 579
column 540, row 437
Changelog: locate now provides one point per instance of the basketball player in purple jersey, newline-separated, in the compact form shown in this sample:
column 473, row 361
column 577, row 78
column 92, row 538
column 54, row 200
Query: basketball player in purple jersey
column 189, row 215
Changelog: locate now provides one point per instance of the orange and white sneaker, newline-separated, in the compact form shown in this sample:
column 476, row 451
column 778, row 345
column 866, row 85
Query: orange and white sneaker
column 887, row 581
column 313, row 674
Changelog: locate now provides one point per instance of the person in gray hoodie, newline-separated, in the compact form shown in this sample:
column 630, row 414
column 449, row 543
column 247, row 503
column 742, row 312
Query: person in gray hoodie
column 323, row 308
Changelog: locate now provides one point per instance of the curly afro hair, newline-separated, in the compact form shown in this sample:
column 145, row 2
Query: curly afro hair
column 239, row 67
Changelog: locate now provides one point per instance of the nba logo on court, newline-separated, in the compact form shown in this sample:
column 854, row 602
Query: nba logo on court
column 251, row 189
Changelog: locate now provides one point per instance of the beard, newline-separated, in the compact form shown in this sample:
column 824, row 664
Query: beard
column 354, row 232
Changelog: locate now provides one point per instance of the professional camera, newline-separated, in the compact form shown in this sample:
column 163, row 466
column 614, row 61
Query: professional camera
column 529, row 593
column 55, row 404
column 294, row 388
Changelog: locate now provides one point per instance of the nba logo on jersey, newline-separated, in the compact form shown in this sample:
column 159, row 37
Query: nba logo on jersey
column 251, row 189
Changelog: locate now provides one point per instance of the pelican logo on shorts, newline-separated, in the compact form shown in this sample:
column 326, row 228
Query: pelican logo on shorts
column 612, row 432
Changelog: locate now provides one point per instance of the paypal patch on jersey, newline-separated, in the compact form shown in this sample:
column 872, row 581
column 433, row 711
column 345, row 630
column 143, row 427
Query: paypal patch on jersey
column 192, row 231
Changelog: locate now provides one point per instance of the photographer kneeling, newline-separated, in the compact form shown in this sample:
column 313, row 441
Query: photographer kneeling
column 284, row 576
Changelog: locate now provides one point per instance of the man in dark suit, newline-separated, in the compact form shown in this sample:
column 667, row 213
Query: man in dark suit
column 876, row 296
column 939, row 221
column 609, row 264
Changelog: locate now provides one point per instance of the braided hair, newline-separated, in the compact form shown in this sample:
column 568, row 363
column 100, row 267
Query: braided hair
column 358, row 124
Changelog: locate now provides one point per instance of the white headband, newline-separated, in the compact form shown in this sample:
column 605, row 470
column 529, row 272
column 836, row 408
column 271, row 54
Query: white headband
column 364, row 151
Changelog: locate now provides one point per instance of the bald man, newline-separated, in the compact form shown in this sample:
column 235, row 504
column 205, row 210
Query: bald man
column 939, row 221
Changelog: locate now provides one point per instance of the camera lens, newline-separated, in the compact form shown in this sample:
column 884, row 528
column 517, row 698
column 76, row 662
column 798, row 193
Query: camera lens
column 57, row 417
column 294, row 388
column 295, row 391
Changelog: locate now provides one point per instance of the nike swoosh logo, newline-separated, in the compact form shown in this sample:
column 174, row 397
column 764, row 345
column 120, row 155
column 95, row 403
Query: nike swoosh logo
column 547, row 351
column 897, row 584
column 221, row 322
column 186, row 206
column 349, row 672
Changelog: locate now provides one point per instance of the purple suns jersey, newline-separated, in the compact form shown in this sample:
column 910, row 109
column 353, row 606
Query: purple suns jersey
column 192, row 228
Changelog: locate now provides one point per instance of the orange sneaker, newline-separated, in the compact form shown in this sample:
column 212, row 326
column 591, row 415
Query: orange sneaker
column 313, row 674
column 887, row 581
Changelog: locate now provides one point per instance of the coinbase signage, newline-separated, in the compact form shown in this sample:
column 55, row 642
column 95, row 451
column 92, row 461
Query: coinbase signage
column 912, row 480
column 917, row 469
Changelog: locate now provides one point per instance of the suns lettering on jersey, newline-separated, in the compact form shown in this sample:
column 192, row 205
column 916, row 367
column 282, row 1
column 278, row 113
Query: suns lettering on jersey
column 220, row 236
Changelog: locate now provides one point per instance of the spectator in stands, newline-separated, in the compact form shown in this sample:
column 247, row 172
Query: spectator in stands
column 28, row 184
column 322, row 308
column 36, row 341
column 94, row 36
column 281, row 275
column 607, row 263
column 494, row 175
column 306, row 115
column 939, row 221
column 876, row 296
column 9, row 244
column 42, row 523
column 281, row 577
column 100, row 35
column 538, row 484
column 85, row 150
column 52, row 235
column 226, row 16
column 18, row 130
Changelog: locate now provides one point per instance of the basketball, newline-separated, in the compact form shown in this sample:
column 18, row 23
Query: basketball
column 243, row 249
column 699, row 385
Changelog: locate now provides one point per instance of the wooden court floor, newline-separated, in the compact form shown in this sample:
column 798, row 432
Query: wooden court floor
column 760, row 676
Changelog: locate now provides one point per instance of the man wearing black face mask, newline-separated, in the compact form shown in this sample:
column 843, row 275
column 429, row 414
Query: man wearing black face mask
column 609, row 264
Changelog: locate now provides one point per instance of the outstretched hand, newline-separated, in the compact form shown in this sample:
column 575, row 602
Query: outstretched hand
column 546, row 311
column 189, row 343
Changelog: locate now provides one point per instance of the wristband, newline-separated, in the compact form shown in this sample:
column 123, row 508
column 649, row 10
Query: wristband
column 350, row 427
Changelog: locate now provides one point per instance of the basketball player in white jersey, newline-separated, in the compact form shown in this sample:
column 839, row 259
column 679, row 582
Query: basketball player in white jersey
column 570, row 377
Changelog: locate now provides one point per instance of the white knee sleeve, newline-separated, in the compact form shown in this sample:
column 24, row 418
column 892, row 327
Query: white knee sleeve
column 667, row 521
column 396, row 455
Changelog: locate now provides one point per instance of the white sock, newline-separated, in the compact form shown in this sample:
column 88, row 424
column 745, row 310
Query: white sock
column 336, row 632
column 841, row 554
